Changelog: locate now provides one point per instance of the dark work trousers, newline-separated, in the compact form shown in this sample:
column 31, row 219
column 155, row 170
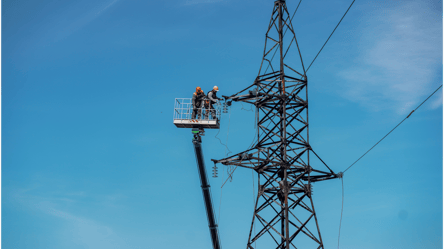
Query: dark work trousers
column 209, row 108
column 197, row 109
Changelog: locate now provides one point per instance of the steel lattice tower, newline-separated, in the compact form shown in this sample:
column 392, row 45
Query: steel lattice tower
column 284, row 209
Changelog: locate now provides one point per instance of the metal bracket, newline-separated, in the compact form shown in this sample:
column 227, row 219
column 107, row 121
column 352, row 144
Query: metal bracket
column 340, row 175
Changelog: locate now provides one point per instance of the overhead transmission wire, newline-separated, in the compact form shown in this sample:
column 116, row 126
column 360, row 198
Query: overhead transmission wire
column 228, row 131
column 226, row 153
column 220, row 201
column 393, row 128
column 242, row 108
column 337, row 25
column 254, row 205
column 330, row 36
column 342, row 208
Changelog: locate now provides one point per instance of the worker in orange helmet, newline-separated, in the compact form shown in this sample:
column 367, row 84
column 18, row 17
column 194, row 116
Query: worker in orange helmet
column 197, row 101
column 212, row 99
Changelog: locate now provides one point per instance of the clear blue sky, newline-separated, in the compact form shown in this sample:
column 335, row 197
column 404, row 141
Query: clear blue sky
column 91, row 158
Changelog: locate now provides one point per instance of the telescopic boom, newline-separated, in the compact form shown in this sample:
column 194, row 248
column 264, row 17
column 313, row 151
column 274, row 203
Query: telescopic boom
column 197, row 142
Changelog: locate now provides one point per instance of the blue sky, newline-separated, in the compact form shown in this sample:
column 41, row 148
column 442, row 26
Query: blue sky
column 91, row 158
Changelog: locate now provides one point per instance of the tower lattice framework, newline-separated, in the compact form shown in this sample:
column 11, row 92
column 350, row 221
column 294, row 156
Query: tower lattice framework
column 284, row 213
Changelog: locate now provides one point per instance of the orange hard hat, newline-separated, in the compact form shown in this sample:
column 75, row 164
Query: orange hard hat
column 198, row 89
column 215, row 88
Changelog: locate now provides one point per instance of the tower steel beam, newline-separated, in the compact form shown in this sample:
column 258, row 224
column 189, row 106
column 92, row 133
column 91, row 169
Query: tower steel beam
column 284, row 207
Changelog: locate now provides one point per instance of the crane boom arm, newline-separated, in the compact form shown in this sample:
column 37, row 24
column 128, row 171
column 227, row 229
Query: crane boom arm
column 206, row 189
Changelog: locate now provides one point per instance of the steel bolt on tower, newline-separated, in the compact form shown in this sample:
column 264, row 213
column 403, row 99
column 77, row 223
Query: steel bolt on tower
column 284, row 209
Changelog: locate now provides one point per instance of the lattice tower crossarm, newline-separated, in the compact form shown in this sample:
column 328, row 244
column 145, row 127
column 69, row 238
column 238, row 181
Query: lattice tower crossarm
column 284, row 210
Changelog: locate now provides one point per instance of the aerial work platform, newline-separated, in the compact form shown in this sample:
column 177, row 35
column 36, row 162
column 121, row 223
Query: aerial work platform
column 202, row 117
column 188, row 116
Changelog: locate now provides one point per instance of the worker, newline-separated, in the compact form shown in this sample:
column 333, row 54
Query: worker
column 198, row 98
column 211, row 100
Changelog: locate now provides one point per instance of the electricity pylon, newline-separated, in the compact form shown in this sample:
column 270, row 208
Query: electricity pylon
column 284, row 209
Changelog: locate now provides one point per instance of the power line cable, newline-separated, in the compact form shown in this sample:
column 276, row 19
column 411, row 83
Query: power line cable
column 220, row 201
column 393, row 128
column 220, row 141
column 230, row 175
column 242, row 108
column 330, row 36
column 254, row 205
column 342, row 179
column 342, row 209
column 228, row 131
column 226, row 153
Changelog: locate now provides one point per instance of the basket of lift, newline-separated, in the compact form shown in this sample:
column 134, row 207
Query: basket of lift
column 188, row 116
